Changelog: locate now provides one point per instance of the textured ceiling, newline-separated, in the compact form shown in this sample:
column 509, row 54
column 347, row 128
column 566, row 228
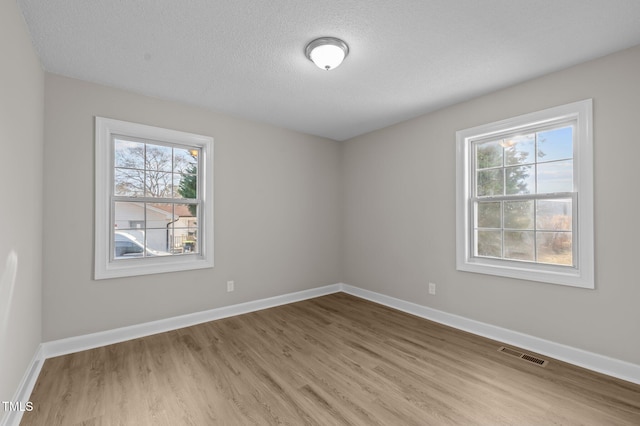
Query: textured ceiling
column 246, row 57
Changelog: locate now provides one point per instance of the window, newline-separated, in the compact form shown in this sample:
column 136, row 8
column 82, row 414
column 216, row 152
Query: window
column 154, row 200
column 525, row 197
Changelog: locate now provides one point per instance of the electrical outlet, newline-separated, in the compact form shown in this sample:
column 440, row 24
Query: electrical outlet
column 230, row 286
column 432, row 288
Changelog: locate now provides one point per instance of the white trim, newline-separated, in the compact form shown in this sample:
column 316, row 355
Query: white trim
column 603, row 364
column 104, row 268
column 28, row 382
column 581, row 276
column 108, row 337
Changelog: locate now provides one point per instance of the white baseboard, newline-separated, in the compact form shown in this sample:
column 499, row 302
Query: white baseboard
column 108, row 337
column 25, row 387
column 589, row 360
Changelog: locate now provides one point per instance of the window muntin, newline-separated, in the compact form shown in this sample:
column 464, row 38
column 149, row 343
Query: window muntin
column 154, row 200
column 524, row 197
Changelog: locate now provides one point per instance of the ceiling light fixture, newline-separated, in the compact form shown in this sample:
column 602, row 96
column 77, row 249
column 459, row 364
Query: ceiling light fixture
column 327, row 52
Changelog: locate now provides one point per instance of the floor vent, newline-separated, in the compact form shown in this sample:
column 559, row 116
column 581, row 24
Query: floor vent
column 529, row 358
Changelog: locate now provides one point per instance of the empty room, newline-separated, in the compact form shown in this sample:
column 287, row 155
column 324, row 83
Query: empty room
column 324, row 213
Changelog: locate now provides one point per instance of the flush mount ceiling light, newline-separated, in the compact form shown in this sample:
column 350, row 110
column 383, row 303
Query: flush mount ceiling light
column 327, row 52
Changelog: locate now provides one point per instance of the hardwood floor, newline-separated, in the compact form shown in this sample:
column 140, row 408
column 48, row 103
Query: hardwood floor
column 331, row 360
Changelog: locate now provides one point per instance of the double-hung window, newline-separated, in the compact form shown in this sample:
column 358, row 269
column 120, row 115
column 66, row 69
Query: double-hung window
column 525, row 197
column 154, row 200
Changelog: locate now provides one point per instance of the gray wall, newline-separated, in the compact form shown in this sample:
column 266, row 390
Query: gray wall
column 277, row 215
column 21, row 115
column 399, row 214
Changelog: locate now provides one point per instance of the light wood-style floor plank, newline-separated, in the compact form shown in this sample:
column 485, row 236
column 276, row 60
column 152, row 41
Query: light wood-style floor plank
column 335, row 360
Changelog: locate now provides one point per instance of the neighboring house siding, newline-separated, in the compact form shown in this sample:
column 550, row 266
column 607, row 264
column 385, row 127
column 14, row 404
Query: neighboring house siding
column 157, row 221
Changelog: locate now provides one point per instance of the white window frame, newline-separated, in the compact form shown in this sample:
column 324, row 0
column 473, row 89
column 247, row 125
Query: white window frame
column 580, row 275
column 105, row 266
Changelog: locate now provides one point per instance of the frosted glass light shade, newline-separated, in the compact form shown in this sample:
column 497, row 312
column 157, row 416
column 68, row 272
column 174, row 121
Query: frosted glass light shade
column 327, row 52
